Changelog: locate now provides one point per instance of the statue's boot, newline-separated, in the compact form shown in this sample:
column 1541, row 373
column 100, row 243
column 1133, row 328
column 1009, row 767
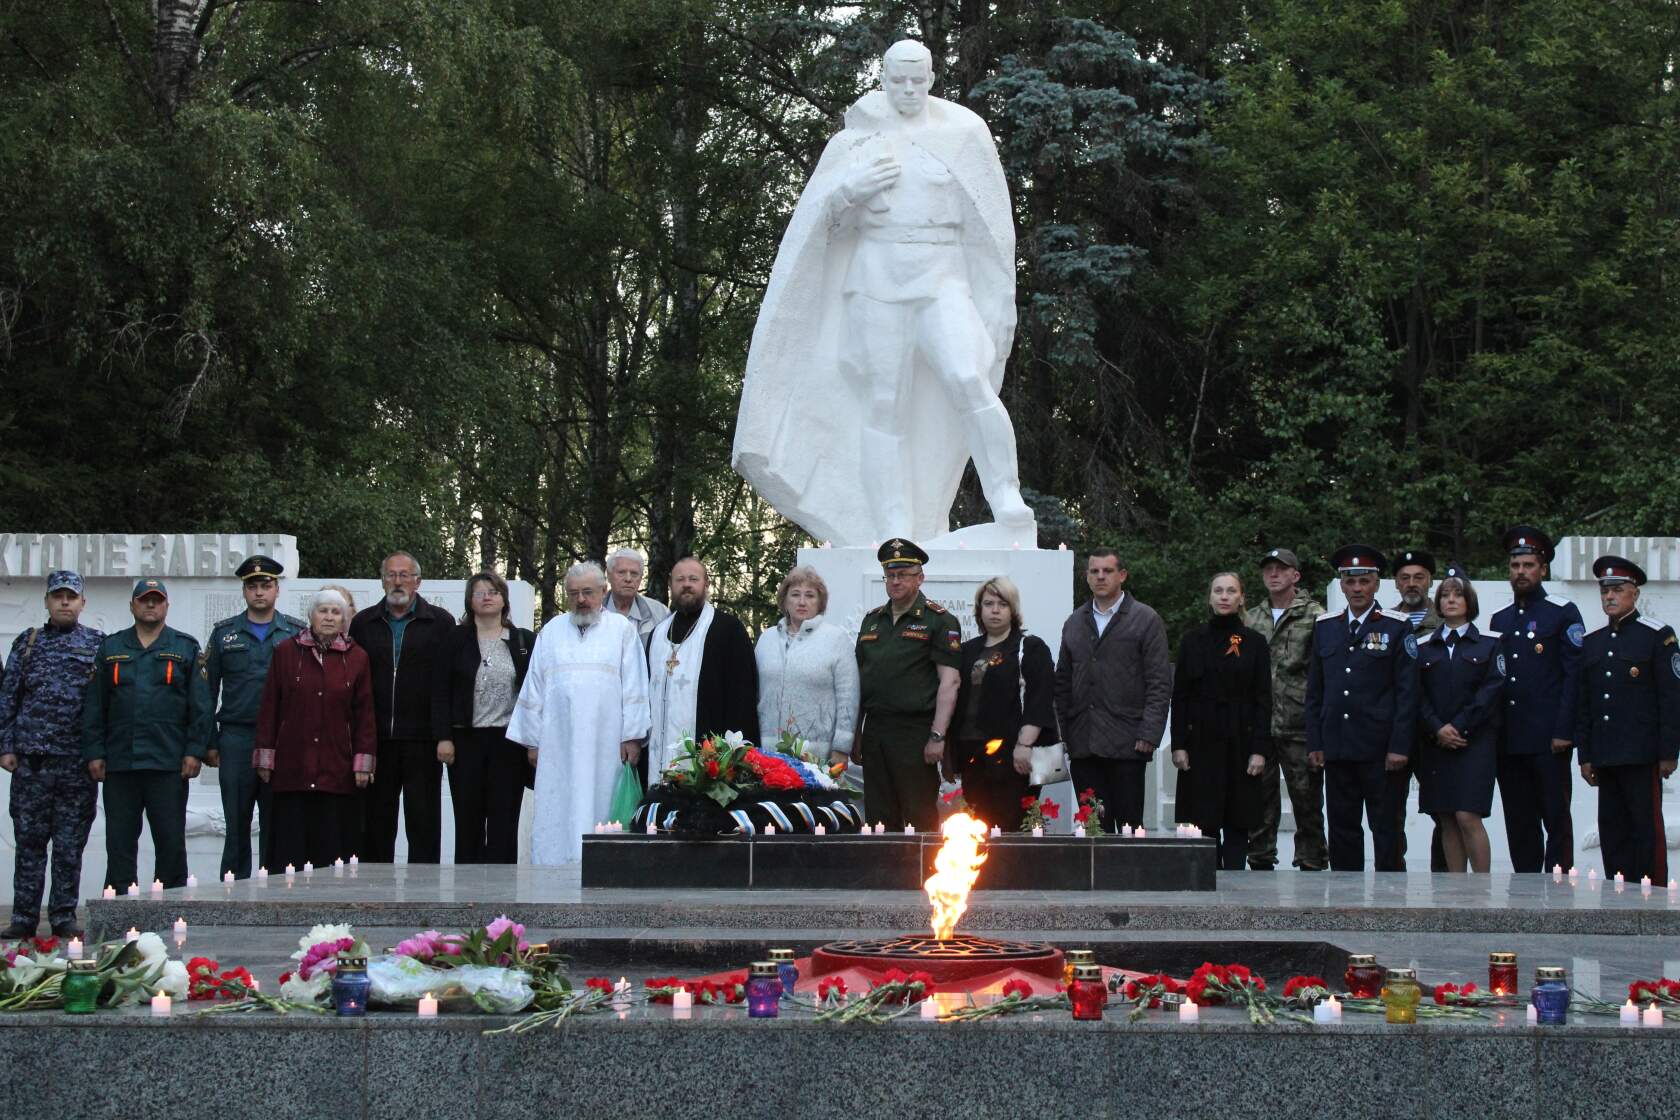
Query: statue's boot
column 991, row 440
column 884, row 480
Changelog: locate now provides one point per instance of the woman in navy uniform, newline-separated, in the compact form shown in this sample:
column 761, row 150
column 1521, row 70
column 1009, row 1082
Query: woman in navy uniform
column 1459, row 713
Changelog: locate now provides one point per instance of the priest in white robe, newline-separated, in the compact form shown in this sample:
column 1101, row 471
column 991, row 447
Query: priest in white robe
column 582, row 712
column 703, row 676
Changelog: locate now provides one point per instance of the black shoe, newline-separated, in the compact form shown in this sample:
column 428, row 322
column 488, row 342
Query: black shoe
column 66, row 930
column 1262, row 867
column 17, row 931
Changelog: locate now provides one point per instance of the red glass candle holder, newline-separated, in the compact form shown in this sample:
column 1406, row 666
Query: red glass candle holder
column 1364, row 976
column 1087, row 992
column 1502, row 974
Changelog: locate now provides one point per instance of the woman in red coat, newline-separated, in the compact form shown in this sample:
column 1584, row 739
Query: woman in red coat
column 315, row 739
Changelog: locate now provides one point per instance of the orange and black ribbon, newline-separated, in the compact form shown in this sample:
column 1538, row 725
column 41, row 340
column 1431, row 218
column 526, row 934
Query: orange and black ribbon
column 169, row 672
column 1235, row 648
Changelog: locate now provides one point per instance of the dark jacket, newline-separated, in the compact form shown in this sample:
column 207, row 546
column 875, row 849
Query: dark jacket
column 315, row 722
column 402, row 692
column 1629, row 709
column 1113, row 690
column 1018, row 659
column 147, row 707
column 41, row 693
column 455, row 670
column 1541, row 639
column 1362, row 689
column 1221, row 714
column 1463, row 690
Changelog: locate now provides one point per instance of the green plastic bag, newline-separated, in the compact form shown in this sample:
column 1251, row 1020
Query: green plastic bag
column 627, row 795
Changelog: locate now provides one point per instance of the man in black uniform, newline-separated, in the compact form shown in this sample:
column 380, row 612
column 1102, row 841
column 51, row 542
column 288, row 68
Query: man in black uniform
column 1362, row 692
column 907, row 652
column 1627, row 723
column 1541, row 647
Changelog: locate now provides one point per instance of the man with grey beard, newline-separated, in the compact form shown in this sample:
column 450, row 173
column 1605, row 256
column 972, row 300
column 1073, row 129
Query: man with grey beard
column 582, row 712
column 402, row 634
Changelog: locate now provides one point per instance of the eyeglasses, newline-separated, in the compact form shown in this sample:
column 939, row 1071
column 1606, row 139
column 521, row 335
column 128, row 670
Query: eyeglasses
column 402, row 577
column 488, row 593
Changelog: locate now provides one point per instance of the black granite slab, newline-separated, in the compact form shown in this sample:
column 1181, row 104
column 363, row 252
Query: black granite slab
column 902, row 862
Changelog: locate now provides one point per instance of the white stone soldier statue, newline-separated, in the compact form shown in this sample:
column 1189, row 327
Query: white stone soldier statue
column 880, row 346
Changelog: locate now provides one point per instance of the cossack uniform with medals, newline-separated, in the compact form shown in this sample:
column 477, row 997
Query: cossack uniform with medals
column 1627, row 729
column 898, row 678
column 1541, row 645
column 236, row 659
column 1362, row 705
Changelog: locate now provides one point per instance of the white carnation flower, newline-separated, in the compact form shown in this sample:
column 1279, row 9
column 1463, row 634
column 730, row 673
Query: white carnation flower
column 153, row 952
column 173, row 982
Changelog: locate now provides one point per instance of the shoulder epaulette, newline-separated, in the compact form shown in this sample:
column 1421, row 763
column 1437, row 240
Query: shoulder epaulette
column 934, row 607
column 231, row 620
column 1557, row 600
column 1491, row 634
column 1395, row 615
column 1653, row 623
column 298, row 622
column 1429, row 637
column 1327, row 616
column 874, row 610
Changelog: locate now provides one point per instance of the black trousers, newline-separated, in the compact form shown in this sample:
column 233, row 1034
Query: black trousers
column 161, row 795
column 1534, row 790
column 1368, row 789
column 1233, row 849
column 991, row 786
column 486, row 788
column 1119, row 786
column 408, row 769
column 312, row 828
column 1630, row 824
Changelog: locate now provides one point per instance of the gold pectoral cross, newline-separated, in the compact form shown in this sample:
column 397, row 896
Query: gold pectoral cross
column 671, row 663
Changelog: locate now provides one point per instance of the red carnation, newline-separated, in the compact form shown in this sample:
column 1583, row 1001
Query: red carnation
column 45, row 944
column 1299, row 983
column 1017, row 987
column 831, row 986
column 1027, row 802
column 711, row 768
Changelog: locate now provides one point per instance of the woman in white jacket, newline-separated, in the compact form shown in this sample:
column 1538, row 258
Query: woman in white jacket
column 807, row 671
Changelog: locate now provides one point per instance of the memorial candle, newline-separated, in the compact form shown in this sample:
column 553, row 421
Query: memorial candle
column 1322, row 1013
column 1550, row 995
column 930, row 1009
column 1652, row 1016
column 192, row 880
column 1629, row 1015
column 1557, row 872
column 134, row 890
column 1533, row 1015
column 997, row 831
column 81, row 986
column 1126, row 830
column 73, row 951
column 160, row 1005
column 181, row 928
column 132, row 934
column 290, row 870
column 262, row 872
column 108, row 892
column 764, row 990
column 1188, row 1012
column 428, row 1007
column 682, row 1000
column 308, row 868
column 909, row 830
column 1038, row 830
column 1087, row 993
column 820, row 830
column 653, row 829
column 1138, row 832
column 1502, row 973
column 157, row 886
column 227, row 876
column 769, row 829
column 354, row 859
column 1335, row 1009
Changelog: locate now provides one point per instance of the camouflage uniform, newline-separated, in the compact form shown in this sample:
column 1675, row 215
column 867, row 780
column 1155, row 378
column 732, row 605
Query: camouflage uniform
column 1290, row 642
column 53, row 799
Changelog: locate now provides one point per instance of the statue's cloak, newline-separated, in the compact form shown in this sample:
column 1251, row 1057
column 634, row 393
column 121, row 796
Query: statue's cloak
column 798, row 434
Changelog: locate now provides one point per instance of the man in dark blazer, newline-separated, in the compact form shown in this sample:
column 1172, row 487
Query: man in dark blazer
column 1113, row 687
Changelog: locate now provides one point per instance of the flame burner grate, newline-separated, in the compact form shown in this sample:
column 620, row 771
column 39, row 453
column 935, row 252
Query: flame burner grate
column 959, row 948
column 950, row 962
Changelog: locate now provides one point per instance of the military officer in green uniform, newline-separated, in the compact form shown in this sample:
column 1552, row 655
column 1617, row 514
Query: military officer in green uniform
column 236, row 658
column 145, row 732
column 907, row 651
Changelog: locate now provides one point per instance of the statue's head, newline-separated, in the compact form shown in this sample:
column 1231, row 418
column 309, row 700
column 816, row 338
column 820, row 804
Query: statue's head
column 907, row 76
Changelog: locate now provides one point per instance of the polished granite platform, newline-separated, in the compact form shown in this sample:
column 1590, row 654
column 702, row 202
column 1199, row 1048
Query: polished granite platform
column 422, row 896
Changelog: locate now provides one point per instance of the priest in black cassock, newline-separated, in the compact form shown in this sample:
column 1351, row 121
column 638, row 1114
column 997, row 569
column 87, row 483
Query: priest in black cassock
column 703, row 678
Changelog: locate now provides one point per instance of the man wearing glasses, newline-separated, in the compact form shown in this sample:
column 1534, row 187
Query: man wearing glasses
column 907, row 651
column 402, row 634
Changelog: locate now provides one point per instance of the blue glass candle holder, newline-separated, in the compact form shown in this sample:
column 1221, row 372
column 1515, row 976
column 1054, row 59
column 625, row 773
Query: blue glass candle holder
column 786, row 968
column 1550, row 996
column 764, row 990
column 350, row 986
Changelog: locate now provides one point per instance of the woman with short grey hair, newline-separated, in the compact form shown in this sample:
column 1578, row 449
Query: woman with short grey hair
column 807, row 671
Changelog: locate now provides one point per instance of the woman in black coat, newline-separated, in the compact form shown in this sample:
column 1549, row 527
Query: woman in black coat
column 1222, row 723
column 1007, row 699
column 1459, row 715
column 475, row 683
